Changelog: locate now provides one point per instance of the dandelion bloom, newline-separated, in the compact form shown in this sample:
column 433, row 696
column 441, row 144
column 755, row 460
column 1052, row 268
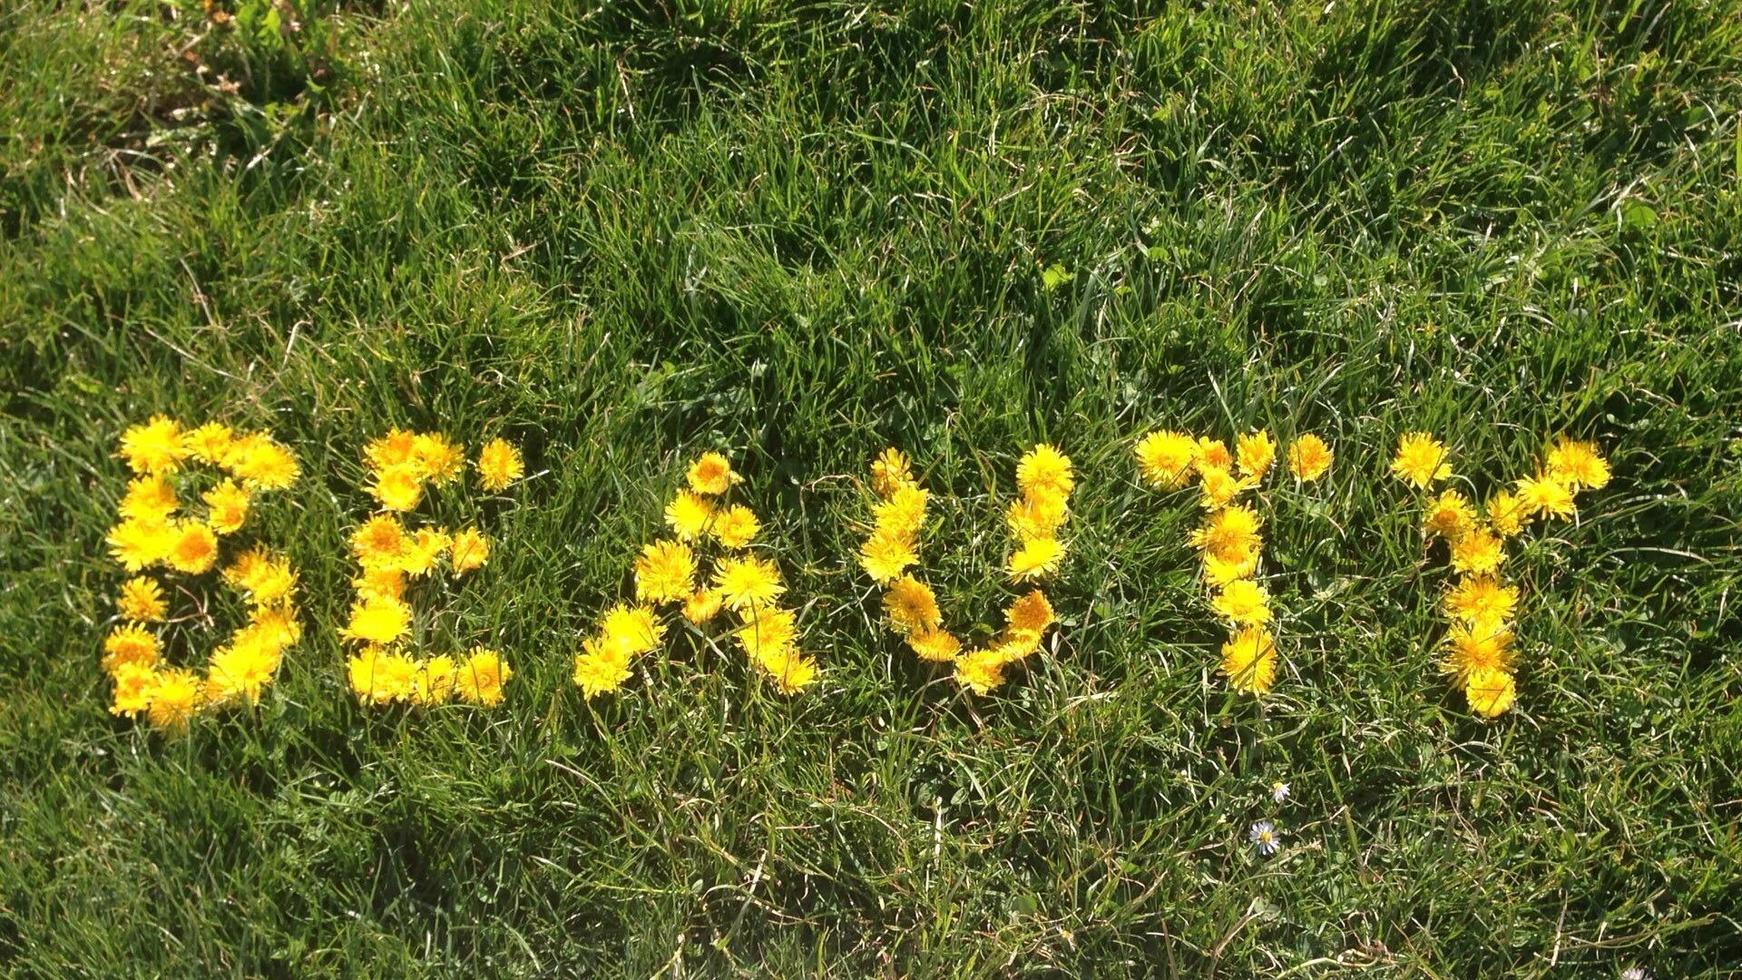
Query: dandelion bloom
column 1255, row 453
column 378, row 620
column 381, row 676
column 140, row 544
column 240, row 671
column 1470, row 649
column 266, row 578
column 377, row 583
column 701, row 606
column 1546, row 495
column 1212, row 454
column 1577, row 464
column 1220, row 571
column 791, row 672
column 1219, row 487
column 379, row 542
column 129, row 645
column 141, row 600
column 1036, row 558
column 435, row 680
column 175, row 697
column 1506, row 513
column 481, row 679
column 209, row 443
column 1036, row 515
column 149, row 499
column 1477, row 552
column 747, row 582
column 398, row 487
column 1164, row 459
column 1449, row 516
column 599, row 670
column 194, row 549
column 424, row 552
column 1031, row 612
column 935, row 644
column 712, row 474
column 468, row 551
column 397, row 448
column 890, row 471
column 499, row 464
column 1045, row 469
column 665, row 572
column 631, row 629
column 1230, row 533
column 226, row 507
column 437, row 459
column 1481, row 600
column 261, row 463
column 688, row 515
column 767, row 634
column 1249, row 660
column 736, row 526
column 902, row 513
column 911, row 606
column 1309, row 458
column 1421, row 460
column 154, row 446
column 1243, row 602
column 1490, row 692
column 980, row 671
column 133, row 687
column 885, row 555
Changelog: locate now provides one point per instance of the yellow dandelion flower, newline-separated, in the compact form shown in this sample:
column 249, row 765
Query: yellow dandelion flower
column 261, row 463
column 935, row 644
column 1031, row 613
column 130, row 645
column 1249, row 660
column 424, row 551
column 1165, row 459
column 1037, row 515
column 1309, row 458
column 712, row 474
column 688, row 515
column 1449, row 516
column 1211, row 454
column 665, row 572
column 381, row 582
column 1490, row 692
column 468, row 551
column 176, row 696
column 736, row 526
column 1220, row 571
column 1470, row 649
column 702, row 606
column 209, row 443
column 273, row 627
column 266, row 578
column 980, row 671
column 133, row 687
column 1229, row 534
column 380, row 542
column 911, row 606
column 140, row 544
column 599, row 670
column 746, row 582
column 1037, row 558
column 1545, row 495
column 499, row 464
column 767, row 633
column 1477, row 552
column 1255, row 453
column 885, row 556
column 435, row 680
column 150, row 499
column 632, row 629
column 1243, row 602
column 1218, row 487
column 482, row 677
column 1482, row 601
column 194, row 549
column 1421, row 460
column 154, row 446
column 1045, row 470
column 226, row 507
column 902, row 513
column 377, row 620
column 398, row 487
column 1577, row 464
column 1506, row 513
column 397, row 448
column 790, row 672
column 241, row 671
column 437, row 458
column 890, row 471
column 141, row 600
column 381, row 676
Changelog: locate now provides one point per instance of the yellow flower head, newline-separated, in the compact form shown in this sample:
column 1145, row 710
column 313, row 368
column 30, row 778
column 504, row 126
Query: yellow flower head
column 1477, row 552
column 1230, row 534
column 383, row 582
column 736, row 526
column 1164, row 459
column 378, row 620
column 911, row 606
column 141, row 600
column 1546, row 495
column 154, row 446
column 885, row 555
column 435, row 680
column 240, row 671
column 267, row 579
column 175, row 697
column 1421, row 460
column 688, row 515
column 890, row 472
column 791, row 672
column 133, row 687
column 226, row 507
column 1309, row 458
column 702, row 606
column 1255, row 452
column 129, row 645
column 935, row 644
column 1249, row 660
column 209, row 443
column 1577, row 464
column 1037, row 515
column 436, row 458
column 598, row 670
column 746, row 582
column 1490, row 692
column 1037, row 558
column 139, row 544
column 1220, row 571
column 499, row 464
column 469, row 551
column 1243, row 602
column 1481, row 601
column 1470, row 649
column 272, row 627
column 631, row 629
column 261, row 463
column 1045, row 470
column 712, row 474
column 481, row 678
column 194, row 549
column 902, row 513
column 380, row 676
column 423, row 553
column 1506, row 513
column 398, row 487
column 1219, row 487
column 1211, row 454
column 1031, row 613
column 380, row 542
column 150, row 499
column 664, row 572
column 767, row 634
column 397, row 448
column 980, row 671
column 1449, row 516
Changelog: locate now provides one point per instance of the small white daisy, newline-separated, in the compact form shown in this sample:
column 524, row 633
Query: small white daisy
column 1265, row 837
column 1636, row 973
column 1279, row 791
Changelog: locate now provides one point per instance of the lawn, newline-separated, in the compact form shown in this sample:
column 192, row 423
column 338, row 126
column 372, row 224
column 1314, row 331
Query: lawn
column 623, row 234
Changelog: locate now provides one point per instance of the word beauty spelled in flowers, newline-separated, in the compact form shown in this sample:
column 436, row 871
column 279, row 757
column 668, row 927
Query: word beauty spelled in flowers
column 193, row 493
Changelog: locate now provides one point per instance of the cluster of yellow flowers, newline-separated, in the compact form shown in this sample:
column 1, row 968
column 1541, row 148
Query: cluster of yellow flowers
column 150, row 534
column 665, row 573
column 910, row 608
column 1480, row 604
column 388, row 553
column 1229, row 539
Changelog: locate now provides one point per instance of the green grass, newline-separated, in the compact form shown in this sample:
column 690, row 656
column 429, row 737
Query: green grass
column 798, row 232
